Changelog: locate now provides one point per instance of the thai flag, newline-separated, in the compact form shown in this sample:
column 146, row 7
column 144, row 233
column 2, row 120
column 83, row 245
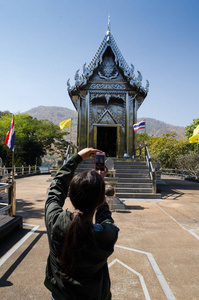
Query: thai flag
column 139, row 125
column 10, row 137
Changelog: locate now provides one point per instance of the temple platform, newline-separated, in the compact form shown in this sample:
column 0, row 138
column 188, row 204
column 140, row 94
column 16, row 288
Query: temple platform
column 9, row 224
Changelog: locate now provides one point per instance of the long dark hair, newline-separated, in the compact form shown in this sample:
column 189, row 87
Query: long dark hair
column 86, row 194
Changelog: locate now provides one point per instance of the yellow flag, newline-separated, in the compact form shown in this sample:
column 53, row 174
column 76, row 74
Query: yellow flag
column 195, row 137
column 65, row 124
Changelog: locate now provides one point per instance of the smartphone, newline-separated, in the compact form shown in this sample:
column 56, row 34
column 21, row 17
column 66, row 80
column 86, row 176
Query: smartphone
column 100, row 161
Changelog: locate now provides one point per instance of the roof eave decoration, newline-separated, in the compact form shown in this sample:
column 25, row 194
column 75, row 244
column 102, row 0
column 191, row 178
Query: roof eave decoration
column 108, row 41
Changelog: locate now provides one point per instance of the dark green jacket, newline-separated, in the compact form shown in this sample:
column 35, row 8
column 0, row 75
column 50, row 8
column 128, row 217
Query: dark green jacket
column 91, row 280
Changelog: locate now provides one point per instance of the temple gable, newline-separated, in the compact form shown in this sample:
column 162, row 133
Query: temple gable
column 108, row 69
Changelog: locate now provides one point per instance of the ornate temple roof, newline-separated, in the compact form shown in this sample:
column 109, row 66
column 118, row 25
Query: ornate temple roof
column 108, row 41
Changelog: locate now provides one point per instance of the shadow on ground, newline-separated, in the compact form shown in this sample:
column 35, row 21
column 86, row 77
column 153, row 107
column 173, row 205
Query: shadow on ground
column 136, row 207
column 176, row 188
column 27, row 209
column 4, row 279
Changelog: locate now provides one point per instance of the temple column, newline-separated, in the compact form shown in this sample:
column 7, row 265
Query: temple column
column 82, row 123
column 87, row 118
column 131, row 113
column 127, row 123
column 134, row 121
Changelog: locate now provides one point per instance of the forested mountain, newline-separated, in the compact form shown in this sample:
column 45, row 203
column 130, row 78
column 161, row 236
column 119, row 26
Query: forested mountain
column 157, row 128
column 58, row 114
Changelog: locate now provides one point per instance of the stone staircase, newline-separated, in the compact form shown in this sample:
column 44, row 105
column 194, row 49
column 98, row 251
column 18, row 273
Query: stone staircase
column 114, row 202
column 85, row 165
column 134, row 180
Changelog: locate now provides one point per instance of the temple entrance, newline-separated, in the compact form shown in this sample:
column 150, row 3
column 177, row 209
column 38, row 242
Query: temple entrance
column 107, row 140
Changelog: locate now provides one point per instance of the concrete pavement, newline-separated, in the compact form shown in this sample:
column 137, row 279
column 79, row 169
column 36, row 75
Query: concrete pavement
column 156, row 255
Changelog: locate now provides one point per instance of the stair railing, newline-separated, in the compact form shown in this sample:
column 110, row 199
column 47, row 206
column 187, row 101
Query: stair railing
column 8, row 193
column 70, row 150
column 67, row 155
column 140, row 152
column 151, row 168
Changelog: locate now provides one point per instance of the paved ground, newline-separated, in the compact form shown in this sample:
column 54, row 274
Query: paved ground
column 156, row 256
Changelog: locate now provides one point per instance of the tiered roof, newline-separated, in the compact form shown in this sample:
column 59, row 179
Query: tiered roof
column 108, row 41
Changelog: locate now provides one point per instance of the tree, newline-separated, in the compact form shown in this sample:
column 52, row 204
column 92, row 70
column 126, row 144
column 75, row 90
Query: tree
column 142, row 139
column 170, row 152
column 33, row 139
column 194, row 147
column 188, row 161
column 166, row 148
column 190, row 128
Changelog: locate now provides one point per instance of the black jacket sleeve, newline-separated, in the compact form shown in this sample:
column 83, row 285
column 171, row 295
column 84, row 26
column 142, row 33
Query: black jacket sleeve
column 108, row 236
column 103, row 214
column 58, row 189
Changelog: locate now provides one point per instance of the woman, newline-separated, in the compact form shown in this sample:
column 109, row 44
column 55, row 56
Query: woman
column 77, row 263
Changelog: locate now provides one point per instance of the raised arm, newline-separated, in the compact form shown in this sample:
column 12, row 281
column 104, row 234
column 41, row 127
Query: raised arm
column 58, row 189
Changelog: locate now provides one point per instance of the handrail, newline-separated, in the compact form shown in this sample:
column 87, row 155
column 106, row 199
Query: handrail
column 10, row 197
column 147, row 157
column 67, row 155
column 4, row 185
column 180, row 173
column 7, row 206
column 68, row 152
column 23, row 170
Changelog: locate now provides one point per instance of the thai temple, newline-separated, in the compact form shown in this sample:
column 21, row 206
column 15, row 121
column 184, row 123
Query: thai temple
column 107, row 96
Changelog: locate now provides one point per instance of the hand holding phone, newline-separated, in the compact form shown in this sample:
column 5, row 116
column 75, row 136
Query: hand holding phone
column 100, row 161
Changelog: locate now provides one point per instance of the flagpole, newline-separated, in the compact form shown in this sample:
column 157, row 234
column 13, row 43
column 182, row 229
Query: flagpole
column 13, row 187
column 13, row 163
column 12, row 166
column 71, row 135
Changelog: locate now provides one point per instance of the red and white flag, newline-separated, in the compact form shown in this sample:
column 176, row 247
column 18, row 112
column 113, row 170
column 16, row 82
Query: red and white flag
column 10, row 137
column 139, row 125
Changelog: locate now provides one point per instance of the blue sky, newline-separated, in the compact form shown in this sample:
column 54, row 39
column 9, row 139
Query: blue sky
column 44, row 42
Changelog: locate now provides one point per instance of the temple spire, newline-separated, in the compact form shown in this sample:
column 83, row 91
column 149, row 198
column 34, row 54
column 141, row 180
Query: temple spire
column 109, row 29
column 109, row 25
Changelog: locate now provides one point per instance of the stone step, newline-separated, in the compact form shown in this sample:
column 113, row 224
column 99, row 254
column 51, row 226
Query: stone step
column 134, row 180
column 133, row 190
column 115, row 204
column 87, row 162
column 9, row 224
column 116, row 162
column 138, row 195
column 85, row 168
column 131, row 167
column 124, row 175
column 128, row 161
column 134, row 185
column 132, row 171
